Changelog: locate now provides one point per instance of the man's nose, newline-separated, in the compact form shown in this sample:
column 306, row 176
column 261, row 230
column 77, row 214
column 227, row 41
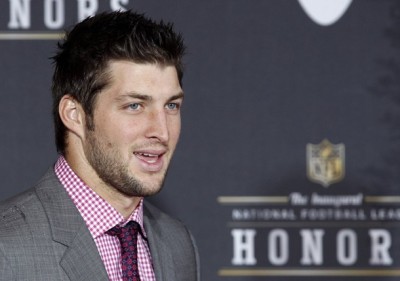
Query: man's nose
column 157, row 127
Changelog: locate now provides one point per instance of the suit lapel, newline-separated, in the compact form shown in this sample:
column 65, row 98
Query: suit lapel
column 160, row 253
column 81, row 259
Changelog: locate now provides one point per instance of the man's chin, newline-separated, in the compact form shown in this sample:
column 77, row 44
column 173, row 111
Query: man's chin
column 143, row 184
column 143, row 192
column 141, row 188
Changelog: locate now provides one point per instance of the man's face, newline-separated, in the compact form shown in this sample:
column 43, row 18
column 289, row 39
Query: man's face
column 136, row 127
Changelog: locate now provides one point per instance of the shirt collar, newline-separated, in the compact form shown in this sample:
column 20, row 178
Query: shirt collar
column 97, row 213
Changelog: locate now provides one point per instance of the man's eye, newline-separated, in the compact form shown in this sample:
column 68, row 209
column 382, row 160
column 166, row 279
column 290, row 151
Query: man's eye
column 134, row 106
column 172, row 106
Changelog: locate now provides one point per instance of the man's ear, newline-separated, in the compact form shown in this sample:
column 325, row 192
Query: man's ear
column 72, row 115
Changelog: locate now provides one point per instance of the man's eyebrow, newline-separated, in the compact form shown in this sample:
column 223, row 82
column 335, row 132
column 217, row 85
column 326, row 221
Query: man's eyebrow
column 180, row 95
column 134, row 96
column 143, row 97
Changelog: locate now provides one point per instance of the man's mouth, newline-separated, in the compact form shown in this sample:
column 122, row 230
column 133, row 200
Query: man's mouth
column 150, row 161
column 148, row 157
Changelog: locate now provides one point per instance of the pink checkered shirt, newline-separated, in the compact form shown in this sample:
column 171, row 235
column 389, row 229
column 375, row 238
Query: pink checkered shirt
column 100, row 217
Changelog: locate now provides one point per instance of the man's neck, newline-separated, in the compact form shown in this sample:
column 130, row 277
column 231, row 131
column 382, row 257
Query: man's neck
column 123, row 203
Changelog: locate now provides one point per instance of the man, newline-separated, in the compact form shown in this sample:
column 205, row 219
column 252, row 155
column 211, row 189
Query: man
column 117, row 97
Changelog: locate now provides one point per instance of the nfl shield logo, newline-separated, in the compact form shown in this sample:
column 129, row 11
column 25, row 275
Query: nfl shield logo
column 325, row 162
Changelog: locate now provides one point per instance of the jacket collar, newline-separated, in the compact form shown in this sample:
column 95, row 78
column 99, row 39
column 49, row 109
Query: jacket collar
column 163, row 261
column 81, row 259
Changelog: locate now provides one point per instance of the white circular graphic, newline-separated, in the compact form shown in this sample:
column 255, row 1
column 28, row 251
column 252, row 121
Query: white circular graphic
column 325, row 12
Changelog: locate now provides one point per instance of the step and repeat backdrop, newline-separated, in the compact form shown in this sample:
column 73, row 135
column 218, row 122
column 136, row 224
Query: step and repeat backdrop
column 289, row 161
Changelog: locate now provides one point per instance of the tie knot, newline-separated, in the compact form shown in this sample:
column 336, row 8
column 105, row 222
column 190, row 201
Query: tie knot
column 129, row 231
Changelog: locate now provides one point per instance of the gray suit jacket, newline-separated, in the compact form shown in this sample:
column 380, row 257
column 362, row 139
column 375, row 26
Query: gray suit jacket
column 43, row 237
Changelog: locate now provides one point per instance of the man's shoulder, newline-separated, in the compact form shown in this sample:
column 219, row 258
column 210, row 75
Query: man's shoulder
column 21, row 200
column 173, row 239
column 26, row 202
column 154, row 214
column 15, row 214
column 164, row 224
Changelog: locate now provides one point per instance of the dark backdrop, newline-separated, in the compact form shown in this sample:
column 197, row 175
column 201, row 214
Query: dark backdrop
column 262, row 81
